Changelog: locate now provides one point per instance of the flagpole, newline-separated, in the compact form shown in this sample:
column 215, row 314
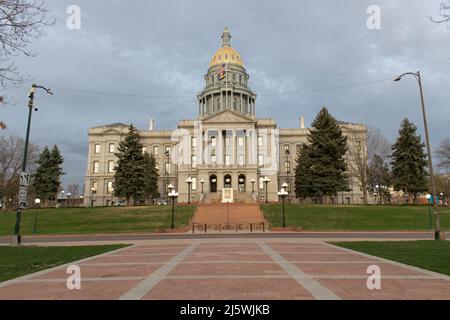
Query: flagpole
column 226, row 85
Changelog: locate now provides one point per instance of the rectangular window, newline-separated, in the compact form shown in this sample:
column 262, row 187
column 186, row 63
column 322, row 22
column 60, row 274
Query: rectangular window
column 213, row 159
column 261, row 183
column 110, row 166
column 167, row 168
column 94, row 186
column 194, row 142
column 110, row 187
column 227, row 141
column 96, row 167
column 194, row 161
column 144, row 150
column 286, row 149
column 227, row 160
column 260, row 141
column 213, row 142
column 112, row 148
column 155, row 151
column 260, row 160
column 241, row 141
column 241, row 159
column 167, row 151
column 194, row 183
column 97, row 148
column 287, row 166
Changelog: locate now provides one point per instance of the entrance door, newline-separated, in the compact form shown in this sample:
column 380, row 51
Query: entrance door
column 227, row 181
column 241, row 185
column 213, row 183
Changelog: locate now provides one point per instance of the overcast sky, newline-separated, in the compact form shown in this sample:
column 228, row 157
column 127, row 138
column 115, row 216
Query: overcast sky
column 164, row 47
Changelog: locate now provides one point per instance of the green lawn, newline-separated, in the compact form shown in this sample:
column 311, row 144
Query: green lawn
column 430, row 255
column 18, row 261
column 97, row 220
column 354, row 218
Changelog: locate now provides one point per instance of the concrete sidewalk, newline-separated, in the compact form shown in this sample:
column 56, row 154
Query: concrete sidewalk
column 231, row 269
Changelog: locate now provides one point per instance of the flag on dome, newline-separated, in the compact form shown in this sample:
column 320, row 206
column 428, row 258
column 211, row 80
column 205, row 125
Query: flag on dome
column 221, row 71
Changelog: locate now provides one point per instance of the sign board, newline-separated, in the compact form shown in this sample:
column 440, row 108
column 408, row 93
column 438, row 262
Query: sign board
column 227, row 195
column 23, row 196
column 24, row 179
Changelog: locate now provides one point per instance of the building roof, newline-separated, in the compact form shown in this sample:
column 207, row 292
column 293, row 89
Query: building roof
column 112, row 125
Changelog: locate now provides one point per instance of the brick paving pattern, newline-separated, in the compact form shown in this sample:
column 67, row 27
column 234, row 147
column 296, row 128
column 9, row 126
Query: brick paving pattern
column 231, row 269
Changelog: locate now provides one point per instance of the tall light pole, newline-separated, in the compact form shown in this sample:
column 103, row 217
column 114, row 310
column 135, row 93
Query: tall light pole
column 189, row 183
column 202, row 182
column 36, row 202
column 266, row 181
column 253, row 185
column 23, row 186
column 437, row 232
column 283, row 194
column 173, row 195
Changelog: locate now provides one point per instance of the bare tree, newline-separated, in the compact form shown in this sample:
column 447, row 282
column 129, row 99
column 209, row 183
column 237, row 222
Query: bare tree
column 443, row 154
column 20, row 21
column 445, row 13
column 73, row 189
column 377, row 144
column 358, row 161
column 11, row 153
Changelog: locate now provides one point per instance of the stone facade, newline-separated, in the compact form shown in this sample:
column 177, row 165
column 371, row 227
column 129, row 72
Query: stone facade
column 227, row 146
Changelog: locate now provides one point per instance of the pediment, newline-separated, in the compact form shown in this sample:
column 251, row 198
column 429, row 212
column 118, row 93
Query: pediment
column 228, row 116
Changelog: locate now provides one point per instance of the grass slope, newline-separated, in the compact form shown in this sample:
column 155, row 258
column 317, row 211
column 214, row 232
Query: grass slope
column 97, row 220
column 354, row 218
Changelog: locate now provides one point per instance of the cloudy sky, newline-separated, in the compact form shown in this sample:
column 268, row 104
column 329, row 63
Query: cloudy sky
column 163, row 48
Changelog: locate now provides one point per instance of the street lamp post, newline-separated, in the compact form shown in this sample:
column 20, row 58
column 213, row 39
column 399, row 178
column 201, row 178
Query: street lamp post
column 23, row 187
column 253, row 185
column 36, row 202
column 266, row 181
column 437, row 233
column 429, row 198
column 283, row 194
column 173, row 195
column 202, row 182
column 189, row 183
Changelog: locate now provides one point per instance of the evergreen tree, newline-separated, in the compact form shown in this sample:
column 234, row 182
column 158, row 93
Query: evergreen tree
column 409, row 161
column 56, row 161
column 321, row 167
column 150, row 177
column 303, row 174
column 129, row 174
column 46, row 180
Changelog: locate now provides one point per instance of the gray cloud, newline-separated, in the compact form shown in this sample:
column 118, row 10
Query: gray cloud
column 164, row 47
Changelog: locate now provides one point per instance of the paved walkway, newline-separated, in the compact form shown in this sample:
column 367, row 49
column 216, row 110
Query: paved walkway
column 231, row 269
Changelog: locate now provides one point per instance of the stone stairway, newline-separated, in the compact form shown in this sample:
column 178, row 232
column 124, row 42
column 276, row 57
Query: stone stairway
column 228, row 217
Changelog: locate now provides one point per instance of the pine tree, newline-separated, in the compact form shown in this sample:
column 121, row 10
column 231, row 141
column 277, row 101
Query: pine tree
column 409, row 161
column 150, row 177
column 46, row 180
column 321, row 167
column 56, row 161
column 303, row 177
column 129, row 173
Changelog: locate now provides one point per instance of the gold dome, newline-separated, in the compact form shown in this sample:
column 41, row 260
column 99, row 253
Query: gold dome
column 226, row 54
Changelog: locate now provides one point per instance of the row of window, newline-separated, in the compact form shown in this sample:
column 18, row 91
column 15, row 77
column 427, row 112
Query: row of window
column 112, row 149
column 109, row 187
column 111, row 167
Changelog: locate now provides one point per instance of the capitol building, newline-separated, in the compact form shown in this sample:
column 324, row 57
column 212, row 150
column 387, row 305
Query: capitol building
column 226, row 147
